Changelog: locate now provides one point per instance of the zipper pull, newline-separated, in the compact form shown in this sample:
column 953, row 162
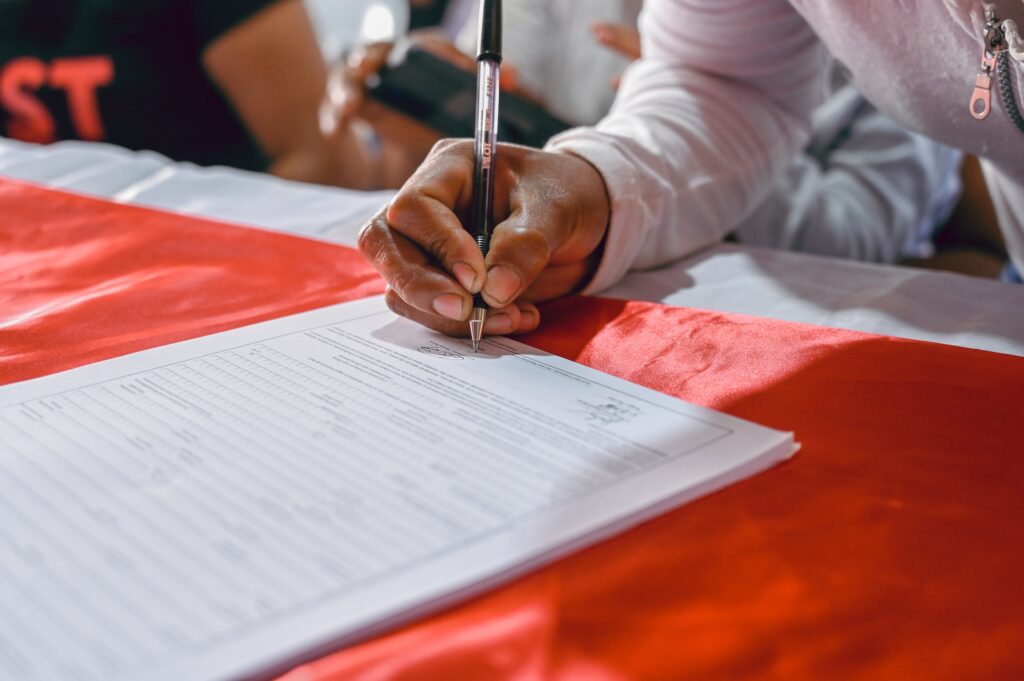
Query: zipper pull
column 981, row 100
column 995, row 42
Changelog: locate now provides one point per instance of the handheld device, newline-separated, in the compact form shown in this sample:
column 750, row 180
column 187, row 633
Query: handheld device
column 443, row 97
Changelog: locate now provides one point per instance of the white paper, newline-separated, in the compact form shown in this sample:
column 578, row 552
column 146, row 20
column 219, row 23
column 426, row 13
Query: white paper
column 228, row 506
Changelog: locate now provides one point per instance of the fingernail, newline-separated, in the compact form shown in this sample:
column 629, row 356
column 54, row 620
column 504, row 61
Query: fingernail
column 466, row 276
column 449, row 305
column 529, row 319
column 498, row 324
column 502, row 284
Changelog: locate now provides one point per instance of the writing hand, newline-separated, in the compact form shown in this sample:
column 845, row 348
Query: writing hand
column 551, row 215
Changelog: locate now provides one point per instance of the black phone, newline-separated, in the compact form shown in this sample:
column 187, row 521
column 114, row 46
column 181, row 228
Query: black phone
column 443, row 96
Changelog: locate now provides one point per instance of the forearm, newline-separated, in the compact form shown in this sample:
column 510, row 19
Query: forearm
column 702, row 126
column 271, row 70
column 344, row 157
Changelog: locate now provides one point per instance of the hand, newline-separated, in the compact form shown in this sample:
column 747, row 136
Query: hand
column 346, row 93
column 383, row 147
column 622, row 38
column 551, row 212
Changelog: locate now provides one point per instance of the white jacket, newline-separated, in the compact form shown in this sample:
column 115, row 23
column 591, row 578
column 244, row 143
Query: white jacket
column 723, row 99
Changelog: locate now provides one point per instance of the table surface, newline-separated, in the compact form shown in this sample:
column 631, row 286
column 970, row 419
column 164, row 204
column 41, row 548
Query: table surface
column 896, row 301
column 892, row 544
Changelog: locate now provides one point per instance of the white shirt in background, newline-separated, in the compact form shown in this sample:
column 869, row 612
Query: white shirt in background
column 864, row 188
column 724, row 98
column 550, row 44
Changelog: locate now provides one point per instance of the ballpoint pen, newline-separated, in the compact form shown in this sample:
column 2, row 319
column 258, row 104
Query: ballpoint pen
column 488, row 60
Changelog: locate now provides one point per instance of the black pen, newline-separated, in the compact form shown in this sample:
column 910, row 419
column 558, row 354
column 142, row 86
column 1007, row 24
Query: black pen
column 488, row 61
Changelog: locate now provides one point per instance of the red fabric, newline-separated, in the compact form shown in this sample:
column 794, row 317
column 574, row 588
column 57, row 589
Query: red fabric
column 83, row 280
column 891, row 547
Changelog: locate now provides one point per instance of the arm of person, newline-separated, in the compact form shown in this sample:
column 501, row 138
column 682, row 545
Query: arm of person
column 867, row 189
column 704, row 123
column 271, row 70
column 717, row 107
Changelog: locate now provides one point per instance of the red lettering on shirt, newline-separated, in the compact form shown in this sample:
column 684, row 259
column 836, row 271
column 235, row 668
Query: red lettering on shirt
column 80, row 78
column 30, row 121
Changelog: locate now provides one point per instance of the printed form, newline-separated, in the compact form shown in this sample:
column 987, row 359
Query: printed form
column 229, row 506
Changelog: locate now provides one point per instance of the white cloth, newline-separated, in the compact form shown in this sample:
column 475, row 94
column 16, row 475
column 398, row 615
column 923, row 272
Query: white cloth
column 865, row 188
column 723, row 100
column 896, row 301
column 550, row 44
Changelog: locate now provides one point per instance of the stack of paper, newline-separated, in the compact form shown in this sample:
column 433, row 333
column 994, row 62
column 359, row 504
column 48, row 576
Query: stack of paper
column 229, row 506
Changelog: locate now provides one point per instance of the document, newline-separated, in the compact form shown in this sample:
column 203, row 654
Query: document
column 227, row 507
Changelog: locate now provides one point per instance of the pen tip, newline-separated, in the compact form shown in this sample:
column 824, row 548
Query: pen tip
column 476, row 327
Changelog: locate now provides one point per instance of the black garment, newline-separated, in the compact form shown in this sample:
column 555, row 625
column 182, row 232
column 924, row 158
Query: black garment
column 428, row 15
column 127, row 72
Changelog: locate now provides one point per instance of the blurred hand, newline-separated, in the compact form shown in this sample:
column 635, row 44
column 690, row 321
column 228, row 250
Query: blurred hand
column 622, row 38
column 383, row 146
column 551, row 212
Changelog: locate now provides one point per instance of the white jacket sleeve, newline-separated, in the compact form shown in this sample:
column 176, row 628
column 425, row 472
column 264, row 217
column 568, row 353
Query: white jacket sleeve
column 866, row 188
column 718, row 106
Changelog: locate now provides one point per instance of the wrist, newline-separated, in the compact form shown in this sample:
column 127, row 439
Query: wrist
column 594, row 203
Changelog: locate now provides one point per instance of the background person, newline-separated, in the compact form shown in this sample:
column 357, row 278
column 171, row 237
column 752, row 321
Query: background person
column 863, row 188
column 705, row 124
column 232, row 82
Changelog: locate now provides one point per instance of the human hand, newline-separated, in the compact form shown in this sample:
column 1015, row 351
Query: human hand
column 622, row 38
column 551, row 213
column 382, row 146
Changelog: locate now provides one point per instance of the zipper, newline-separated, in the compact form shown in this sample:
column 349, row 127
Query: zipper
column 995, row 70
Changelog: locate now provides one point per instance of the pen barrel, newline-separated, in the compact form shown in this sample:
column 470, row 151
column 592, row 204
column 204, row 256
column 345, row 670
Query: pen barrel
column 485, row 151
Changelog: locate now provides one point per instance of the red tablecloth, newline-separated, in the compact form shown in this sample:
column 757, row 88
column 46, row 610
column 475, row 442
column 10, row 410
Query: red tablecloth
column 892, row 547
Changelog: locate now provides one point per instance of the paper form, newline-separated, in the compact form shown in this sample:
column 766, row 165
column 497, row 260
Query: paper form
column 228, row 506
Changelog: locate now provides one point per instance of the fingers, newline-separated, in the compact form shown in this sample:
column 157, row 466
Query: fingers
column 525, row 265
column 518, row 254
column 441, row 46
column 410, row 273
column 367, row 60
column 419, row 244
column 623, row 38
column 511, row 320
column 424, row 212
column 548, row 245
column 346, row 84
